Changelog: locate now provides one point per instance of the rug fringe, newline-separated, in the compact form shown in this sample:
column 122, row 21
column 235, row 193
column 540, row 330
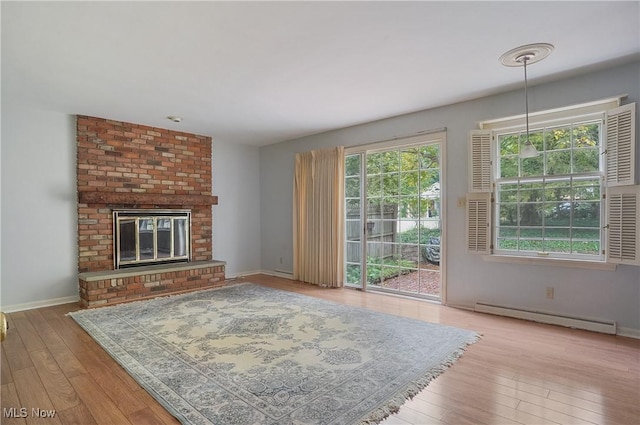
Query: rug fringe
column 393, row 405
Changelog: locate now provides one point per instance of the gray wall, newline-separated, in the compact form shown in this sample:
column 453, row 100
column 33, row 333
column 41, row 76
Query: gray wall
column 236, row 218
column 39, row 220
column 578, row 292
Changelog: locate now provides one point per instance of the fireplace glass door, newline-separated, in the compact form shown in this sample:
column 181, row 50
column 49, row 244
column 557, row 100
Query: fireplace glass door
column 146, row 237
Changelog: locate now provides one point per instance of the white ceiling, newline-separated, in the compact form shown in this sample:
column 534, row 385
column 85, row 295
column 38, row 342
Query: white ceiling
column 263, row 72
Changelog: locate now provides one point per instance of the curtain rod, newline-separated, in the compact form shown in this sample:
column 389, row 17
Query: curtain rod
column 419, row 133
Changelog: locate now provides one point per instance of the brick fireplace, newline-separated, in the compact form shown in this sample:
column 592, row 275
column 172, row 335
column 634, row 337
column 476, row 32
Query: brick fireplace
column 134, row 167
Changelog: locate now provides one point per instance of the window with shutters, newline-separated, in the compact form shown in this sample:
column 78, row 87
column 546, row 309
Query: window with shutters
column 576, row 199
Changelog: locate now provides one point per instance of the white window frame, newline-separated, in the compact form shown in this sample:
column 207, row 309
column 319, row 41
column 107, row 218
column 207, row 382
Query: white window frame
column 595, row 118
column 600, row 110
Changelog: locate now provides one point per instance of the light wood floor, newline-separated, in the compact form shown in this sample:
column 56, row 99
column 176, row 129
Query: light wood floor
column 519, row 372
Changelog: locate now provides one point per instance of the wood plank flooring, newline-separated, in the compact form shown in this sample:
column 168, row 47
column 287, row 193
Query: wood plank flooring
column 519, row 373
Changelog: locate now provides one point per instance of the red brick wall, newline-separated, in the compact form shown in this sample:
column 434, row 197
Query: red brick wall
column 116, row 156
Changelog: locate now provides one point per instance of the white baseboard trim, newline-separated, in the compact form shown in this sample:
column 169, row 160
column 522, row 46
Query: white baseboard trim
column 241, row 275
column 278, row 273
column 39, row 304
column 461, row 307
column 629, row 332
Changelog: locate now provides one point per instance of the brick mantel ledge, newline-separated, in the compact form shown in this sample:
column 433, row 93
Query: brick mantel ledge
column 144, row 199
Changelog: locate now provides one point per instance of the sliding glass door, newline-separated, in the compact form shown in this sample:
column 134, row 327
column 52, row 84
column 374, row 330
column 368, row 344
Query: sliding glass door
column 354, row 219
column 393, row 219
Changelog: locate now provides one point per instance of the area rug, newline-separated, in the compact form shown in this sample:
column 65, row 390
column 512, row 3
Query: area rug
column 248, row 354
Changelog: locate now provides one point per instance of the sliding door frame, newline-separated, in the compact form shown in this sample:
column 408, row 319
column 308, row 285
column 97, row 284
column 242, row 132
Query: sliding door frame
column 438, row 136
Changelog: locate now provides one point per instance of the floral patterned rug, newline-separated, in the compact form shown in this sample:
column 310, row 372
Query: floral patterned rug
column 248, row 354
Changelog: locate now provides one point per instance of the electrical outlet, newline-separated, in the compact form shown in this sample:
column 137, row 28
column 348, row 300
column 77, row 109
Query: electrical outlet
column 461, row 202
column 280, row 260
column 550, row 292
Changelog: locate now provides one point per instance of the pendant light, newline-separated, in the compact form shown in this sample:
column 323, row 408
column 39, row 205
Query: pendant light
column 523, row 56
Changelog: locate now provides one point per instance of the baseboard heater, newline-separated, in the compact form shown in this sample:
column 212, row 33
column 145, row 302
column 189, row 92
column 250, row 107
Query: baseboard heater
column 602, row 326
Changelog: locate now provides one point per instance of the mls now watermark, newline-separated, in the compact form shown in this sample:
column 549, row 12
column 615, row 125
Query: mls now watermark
column 23, row 412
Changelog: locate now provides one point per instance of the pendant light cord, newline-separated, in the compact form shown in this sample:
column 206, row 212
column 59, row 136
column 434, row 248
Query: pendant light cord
column 521, row 56
column 526, row 97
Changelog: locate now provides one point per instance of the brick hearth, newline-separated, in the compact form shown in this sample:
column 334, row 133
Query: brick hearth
column 115, row 286
column 123, row 165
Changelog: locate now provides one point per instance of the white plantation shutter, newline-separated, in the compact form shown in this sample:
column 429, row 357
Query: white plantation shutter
column 480, row 161
column 479, row 223
column 620, row 146
column 623, row 213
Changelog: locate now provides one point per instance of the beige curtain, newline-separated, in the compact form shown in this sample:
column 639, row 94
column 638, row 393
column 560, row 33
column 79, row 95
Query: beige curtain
column 318, row 217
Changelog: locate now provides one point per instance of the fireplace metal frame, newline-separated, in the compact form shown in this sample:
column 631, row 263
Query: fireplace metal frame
column 152, row 214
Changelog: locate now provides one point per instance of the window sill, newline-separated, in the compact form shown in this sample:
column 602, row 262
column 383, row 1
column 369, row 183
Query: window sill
column 558, row 262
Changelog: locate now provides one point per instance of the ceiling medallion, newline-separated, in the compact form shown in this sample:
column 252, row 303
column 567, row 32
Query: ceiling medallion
column 531, row 52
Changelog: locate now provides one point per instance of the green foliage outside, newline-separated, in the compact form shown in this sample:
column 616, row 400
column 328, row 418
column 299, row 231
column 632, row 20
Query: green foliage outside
column 550, row 239
column 418, row 235
column 563, row 150
column 379, row 269
column 396, row 177
column 565, row 246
